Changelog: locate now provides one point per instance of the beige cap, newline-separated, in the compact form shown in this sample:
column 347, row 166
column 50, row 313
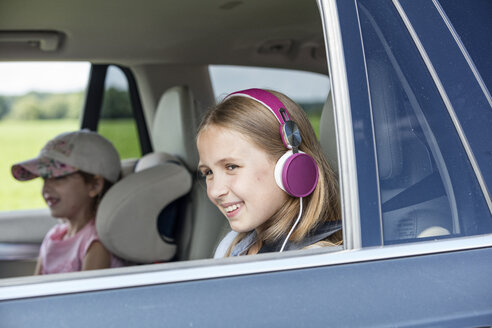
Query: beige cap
column 69, row 152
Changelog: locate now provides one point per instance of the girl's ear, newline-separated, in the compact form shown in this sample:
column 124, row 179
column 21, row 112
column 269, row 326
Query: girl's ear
column 96, row 186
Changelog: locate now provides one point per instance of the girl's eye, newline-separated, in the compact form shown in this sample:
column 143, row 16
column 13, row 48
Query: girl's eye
column 231, row 167
column 205, row 173
column 56, row 178
column 63, row 177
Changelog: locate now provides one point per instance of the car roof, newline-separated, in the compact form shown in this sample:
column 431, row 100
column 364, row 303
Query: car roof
column 275, row 33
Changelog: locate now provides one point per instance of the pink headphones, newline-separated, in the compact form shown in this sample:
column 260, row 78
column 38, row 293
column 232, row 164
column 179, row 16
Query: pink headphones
column 295, row 172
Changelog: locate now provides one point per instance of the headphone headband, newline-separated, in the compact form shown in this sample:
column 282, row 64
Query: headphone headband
column 267, row 99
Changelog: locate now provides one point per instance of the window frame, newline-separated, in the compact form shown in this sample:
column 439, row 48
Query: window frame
column 91, row 113
column 358, row 181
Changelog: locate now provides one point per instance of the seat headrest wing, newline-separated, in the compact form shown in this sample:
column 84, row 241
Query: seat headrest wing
column 127, row 216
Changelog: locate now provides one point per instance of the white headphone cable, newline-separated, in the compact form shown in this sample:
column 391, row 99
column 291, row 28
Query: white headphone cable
column 294, row 226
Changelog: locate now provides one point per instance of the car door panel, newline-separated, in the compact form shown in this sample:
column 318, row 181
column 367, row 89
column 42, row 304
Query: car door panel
column 405, row 291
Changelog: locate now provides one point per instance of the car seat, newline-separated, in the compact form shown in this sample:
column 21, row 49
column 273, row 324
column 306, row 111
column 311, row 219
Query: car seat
column 174, row 132
column 138, row 217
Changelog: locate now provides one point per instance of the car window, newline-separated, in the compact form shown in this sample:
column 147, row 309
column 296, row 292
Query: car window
column 472, row 23
column 37, row 102
column 428, row 188
column 117, row 121
column 227, row 79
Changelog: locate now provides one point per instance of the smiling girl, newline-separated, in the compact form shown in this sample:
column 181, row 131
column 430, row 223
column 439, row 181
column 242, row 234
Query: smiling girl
column 265, row 171
column 77, row 169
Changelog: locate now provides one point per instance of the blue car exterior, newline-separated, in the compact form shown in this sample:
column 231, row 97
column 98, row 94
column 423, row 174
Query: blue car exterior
column 413, row 111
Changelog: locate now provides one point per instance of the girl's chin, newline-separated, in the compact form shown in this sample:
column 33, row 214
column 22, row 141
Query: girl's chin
column 238, row 228
column 56, row 213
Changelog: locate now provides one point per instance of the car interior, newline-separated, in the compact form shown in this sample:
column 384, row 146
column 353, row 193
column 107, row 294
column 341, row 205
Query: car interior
column 159, row 210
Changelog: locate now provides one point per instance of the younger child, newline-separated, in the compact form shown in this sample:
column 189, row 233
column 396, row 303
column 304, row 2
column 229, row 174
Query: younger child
column 77, row 168
column 267, row 175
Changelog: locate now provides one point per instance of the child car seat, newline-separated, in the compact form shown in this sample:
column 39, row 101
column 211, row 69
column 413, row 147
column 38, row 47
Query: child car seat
column 137, row 218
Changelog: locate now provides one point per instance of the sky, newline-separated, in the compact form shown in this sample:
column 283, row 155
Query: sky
column 17, row 78
column 20, row 78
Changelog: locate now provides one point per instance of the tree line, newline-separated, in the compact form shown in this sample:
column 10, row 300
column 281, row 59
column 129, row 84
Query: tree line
column 116, row 104
column 44, row 106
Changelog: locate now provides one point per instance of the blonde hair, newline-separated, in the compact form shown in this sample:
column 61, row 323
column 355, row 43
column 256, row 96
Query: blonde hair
column 260, row 126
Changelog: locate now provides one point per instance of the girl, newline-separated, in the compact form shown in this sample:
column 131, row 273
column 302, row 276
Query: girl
column 274, row 200
column 77, row 168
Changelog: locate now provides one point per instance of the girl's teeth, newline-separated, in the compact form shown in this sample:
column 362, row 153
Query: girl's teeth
column 231, row 208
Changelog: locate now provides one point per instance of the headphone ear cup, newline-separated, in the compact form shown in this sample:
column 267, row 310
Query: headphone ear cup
column 296, row 174
column 279, row 167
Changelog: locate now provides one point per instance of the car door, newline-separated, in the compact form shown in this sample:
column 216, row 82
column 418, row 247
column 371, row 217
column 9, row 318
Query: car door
column 397, row 137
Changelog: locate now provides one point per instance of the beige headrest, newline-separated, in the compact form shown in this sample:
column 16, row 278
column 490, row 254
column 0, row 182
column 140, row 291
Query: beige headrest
column 175, row 125
column 127, row 217
column 154, row 159
column 434, row 232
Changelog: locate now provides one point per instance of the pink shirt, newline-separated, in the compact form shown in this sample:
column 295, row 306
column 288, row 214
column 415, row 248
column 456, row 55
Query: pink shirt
column 67, row 255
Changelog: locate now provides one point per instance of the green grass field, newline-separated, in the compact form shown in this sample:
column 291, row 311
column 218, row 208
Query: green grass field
column 21, row 140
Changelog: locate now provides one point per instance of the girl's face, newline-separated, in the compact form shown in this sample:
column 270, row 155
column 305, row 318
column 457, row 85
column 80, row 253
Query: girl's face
column 69, row 196
column 240, row 178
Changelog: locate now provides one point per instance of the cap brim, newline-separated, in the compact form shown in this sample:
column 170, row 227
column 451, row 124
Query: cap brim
column 41, row 167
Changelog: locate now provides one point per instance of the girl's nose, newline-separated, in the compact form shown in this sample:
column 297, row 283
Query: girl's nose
column 46, row 184
column 217, row 188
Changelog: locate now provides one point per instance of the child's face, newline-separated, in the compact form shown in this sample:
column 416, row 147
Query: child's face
column 68, row 197
column 240, row 178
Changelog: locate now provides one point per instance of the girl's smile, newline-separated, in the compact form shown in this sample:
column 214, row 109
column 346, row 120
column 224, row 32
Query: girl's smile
column 239, row 177
column 68, row 197
column 231, row 209
column 50, row 201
